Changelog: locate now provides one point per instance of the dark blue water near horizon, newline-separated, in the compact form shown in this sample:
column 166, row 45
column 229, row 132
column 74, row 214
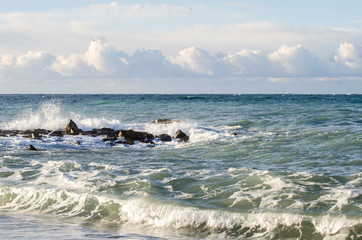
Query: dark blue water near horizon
column 278, row 166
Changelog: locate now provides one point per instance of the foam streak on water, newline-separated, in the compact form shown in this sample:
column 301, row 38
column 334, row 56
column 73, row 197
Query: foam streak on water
column 255, row 167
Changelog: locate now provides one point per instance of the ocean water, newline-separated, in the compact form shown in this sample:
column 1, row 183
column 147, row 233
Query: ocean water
column 255, row 167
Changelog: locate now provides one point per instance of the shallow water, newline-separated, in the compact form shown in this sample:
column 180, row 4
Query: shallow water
column 293, row 169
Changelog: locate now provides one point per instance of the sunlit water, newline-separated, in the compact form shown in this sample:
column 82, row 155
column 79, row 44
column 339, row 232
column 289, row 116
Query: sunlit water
column 256, row 166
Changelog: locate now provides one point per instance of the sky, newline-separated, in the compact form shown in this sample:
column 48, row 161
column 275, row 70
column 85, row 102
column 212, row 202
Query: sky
column 214, row 46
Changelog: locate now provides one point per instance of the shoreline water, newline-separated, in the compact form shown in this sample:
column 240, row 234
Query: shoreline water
column 291, row 170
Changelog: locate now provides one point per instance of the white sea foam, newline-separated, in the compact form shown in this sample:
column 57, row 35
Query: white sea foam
column 160, row 214
column 170, row 128
column 263, row 189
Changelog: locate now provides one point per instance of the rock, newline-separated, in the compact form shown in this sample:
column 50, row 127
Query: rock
column 165, row 138
column 182, row 136
column 72, row 128
column 128, row 142
column 104, row 131
column 31, row 148
column 185, row 139
column 38, row 131
column 149, row 141
column 179, row 134
column 10, row 133
column 109, row 139
column 56, row 134
column 135, row 135
column 164, row 121
column 35, row 136
column 89, row 133
column 233, row 134
column 75, row 143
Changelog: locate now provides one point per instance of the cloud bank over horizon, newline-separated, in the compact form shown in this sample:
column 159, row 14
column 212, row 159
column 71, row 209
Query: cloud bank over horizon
column 180, row 46
column 102, row 60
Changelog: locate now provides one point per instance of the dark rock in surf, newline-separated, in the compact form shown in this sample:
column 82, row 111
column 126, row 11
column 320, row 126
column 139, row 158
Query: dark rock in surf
column 233, row 134
column 31, row 148
column 184, row 139
column 9, row 133
column 109, row 139
column 127, row 142
column 72, row 128
column 38, row 131
column 89, row 133
column 164, row 121
column 56, row 134
column 36, row 136
column 179, row 134
column 149, row 141
column 76, row 143
column 182, row 136
column 165, row 138
column 105, row 131
column 135, row 135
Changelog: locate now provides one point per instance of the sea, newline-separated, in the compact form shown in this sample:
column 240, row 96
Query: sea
column 279, row 166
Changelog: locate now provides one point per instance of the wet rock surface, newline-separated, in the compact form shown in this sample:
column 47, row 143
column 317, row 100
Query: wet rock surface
column 110, row 135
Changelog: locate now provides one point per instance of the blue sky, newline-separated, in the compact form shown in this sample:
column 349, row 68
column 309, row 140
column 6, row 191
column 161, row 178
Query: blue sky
column 180, row 46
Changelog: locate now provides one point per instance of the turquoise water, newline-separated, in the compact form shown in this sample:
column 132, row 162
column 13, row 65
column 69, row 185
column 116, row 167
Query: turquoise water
column 256, row 166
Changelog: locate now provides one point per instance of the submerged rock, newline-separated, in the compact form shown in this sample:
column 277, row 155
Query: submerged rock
column 72, row 128
column 164, row 121
column 109, row 139
column 31, row 148
column 127, row 142
column 75, row 143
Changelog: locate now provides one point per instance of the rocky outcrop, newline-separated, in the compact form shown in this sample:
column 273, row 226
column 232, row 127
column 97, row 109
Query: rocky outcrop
column 110, row 136
column 72, row 128
column 135, row 135
column 181, row 135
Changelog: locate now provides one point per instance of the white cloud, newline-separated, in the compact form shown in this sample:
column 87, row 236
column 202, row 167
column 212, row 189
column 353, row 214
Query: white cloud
column 102, row 60
column 246, row 63
column 296, row 61
column 33, row 64
column 350, row 56
column 196, row 60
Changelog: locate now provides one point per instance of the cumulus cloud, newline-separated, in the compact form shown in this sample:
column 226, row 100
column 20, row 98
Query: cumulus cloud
column 102, row 60
column 349, row 56
column 33, row 64
column 296, row 61
column 195, row 60
column 246, row 63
